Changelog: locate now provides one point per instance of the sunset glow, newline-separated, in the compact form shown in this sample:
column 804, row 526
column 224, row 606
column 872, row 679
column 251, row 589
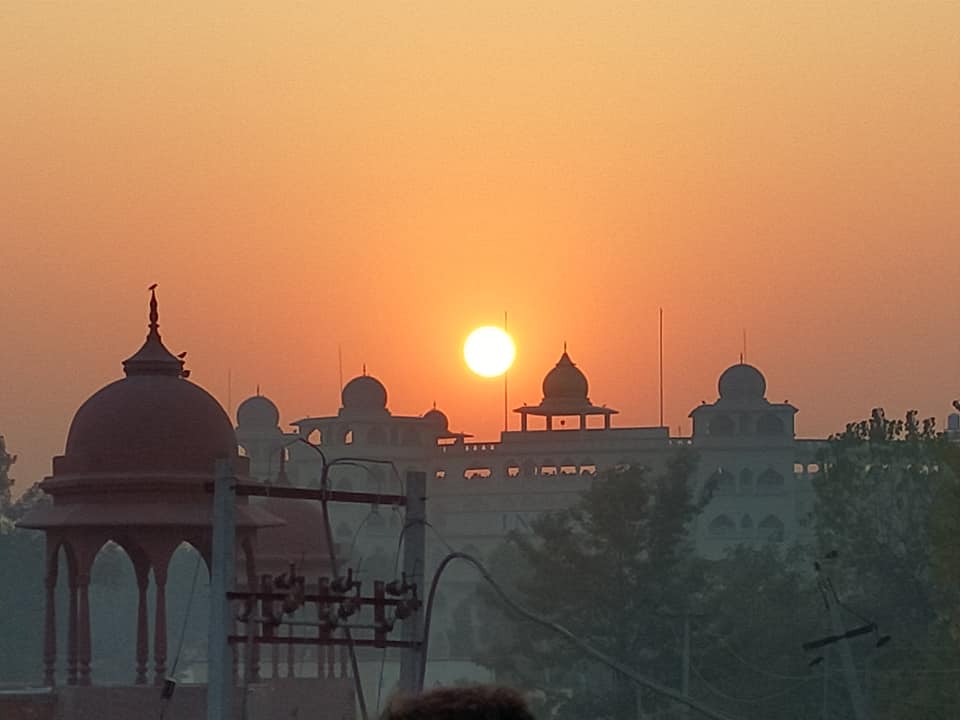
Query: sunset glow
column 379, row 176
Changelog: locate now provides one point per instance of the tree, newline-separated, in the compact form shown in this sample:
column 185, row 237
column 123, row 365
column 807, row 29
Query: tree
column 879, row 507
column 610, row 569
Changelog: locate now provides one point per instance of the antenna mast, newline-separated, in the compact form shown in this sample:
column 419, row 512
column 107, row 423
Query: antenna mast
column 661, row 366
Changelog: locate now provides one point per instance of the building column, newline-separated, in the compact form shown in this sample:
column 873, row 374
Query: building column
column 160, row 627
column 50, row 620
column 72, row 634
column 83, row 628
column 143, row 641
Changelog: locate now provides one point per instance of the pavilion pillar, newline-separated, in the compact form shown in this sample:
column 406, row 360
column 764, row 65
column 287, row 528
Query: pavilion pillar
column 83, row 628
column 606, row 422
column 143, row 641
column 549, row 422
column 160, row 625
column 72, row 646
column 583, row 422
column 50, row 619
column 523, row 422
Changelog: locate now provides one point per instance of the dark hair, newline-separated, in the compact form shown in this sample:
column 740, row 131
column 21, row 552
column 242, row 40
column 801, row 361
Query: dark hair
column 473, row 702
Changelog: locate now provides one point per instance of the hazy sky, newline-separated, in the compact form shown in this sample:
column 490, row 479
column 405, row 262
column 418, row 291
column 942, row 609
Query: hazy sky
column 386, row 177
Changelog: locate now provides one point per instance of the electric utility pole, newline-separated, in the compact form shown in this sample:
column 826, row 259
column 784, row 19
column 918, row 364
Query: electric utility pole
column 219, row 656
column 414, row 552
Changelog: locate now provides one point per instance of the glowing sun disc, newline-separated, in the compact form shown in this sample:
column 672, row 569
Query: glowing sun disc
column 489, row 351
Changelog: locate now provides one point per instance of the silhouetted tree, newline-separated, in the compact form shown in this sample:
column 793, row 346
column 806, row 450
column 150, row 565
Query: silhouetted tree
column 880, row 506
column 609, row 569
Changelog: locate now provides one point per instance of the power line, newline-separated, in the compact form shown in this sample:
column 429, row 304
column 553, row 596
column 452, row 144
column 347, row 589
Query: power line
column 560, row 630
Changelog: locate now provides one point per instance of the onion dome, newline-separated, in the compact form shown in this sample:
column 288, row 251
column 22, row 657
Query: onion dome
column 742, row 382
column 258, row 413
column 364, row 394
column 565, row 381
column 153, row 420
column 437, row 419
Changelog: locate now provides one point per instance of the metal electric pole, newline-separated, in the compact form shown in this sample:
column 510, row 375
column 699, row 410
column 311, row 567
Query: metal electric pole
column 219, row 656
column 414, row 557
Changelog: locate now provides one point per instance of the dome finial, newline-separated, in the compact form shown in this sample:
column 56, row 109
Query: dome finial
column 364, row 369
column 153, row 358
column 154, row 315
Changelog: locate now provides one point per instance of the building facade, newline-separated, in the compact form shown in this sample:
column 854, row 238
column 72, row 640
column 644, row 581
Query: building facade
column 759, row 472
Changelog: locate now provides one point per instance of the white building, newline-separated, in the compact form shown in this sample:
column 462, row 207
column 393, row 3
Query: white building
column 478, row 491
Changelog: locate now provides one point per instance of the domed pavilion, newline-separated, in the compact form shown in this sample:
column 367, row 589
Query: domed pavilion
column 565, row 394
column 140, row 455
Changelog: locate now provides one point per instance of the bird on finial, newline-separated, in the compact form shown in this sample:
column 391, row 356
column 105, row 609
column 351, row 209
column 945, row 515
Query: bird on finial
column 182, row 355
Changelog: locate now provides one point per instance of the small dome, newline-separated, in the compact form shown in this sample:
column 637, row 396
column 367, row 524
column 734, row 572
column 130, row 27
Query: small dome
column 364, row 393
column 258, row 413
column 438, row 419
column 565, row 381
column 742, row 382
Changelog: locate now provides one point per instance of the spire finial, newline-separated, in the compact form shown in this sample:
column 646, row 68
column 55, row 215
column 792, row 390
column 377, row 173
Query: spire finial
column 154, row 315
column 364, row 369
column 564, row 345
column 258, row 389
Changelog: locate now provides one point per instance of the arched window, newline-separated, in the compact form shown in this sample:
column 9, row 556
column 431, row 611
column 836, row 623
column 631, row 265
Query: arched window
column 746, row 481
column 723, row 482
column 769, row 424
column 722, row 525
column 771, row 528
column 770, row 482
column 410, row 437
column 348, row 437
column 721, row 425
column 315, row 437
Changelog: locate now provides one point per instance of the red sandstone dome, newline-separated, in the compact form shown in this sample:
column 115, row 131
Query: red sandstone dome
column 153, row 420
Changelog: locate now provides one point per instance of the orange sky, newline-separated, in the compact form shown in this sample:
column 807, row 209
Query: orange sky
column 390, row 176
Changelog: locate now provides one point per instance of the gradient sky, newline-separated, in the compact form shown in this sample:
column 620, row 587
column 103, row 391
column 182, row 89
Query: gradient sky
column 386, row 177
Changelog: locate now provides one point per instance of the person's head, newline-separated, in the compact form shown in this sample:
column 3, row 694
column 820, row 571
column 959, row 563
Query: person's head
column 474, row 702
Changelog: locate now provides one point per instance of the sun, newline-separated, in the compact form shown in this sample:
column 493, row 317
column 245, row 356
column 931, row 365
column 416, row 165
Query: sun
column 489, row 351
